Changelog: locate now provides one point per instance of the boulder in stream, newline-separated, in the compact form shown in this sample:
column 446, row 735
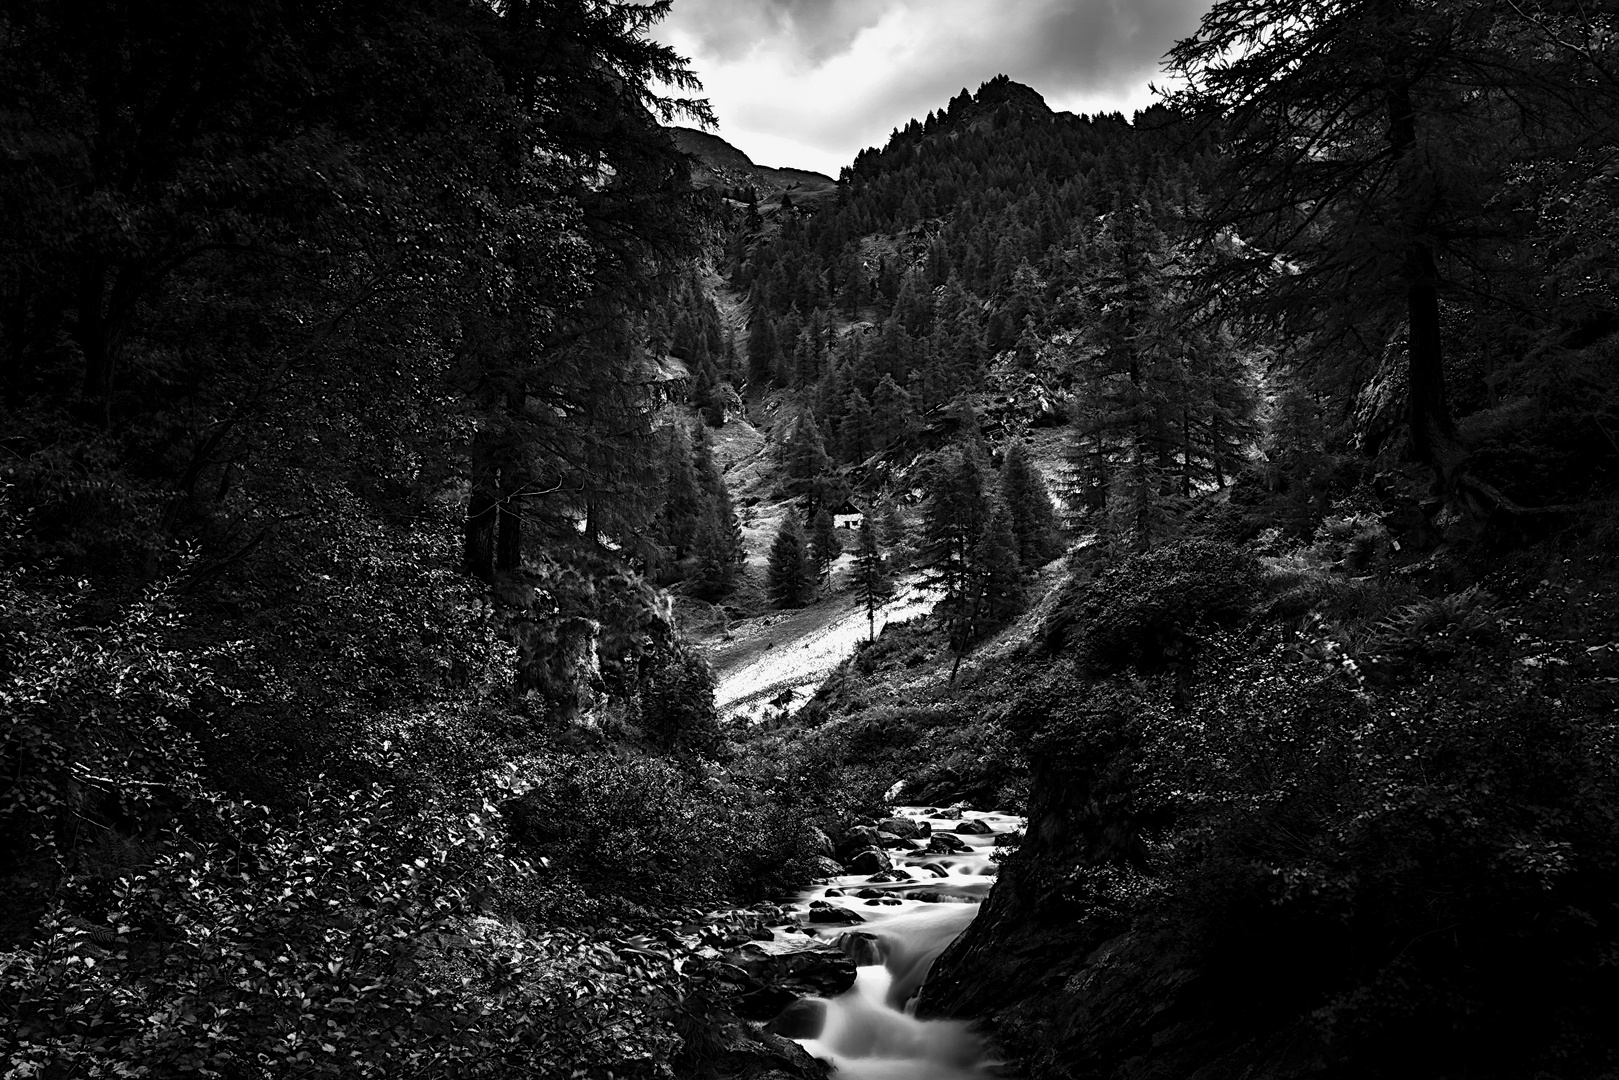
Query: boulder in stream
column 974, row 827
column 935, row 869
column 857, row 839
column 870, row 861
column 944, row 843
column 894, row 874
column 740, row 1051
column 835, row 916
column 801, row 1019
column 825, row 867
column 899, row 826
column 811, row 968
column 760, row 1003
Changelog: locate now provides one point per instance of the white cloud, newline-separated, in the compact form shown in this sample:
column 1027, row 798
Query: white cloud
column 809, row 83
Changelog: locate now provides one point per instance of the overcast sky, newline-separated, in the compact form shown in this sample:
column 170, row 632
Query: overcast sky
column 809, row 83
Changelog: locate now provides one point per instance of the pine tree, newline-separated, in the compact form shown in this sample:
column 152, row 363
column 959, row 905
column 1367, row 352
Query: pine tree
column 890, row 530
column 804, row 458
column 1373, row 144
column 853, row 288
column 824, row 543
column 857, row 437
column 871, row 580
column 681, row 505
column 1130, row 412
column 1028, row 506
column 717, row 543
column 705, row 395
column 997, row 577
column 1295, row 447
column 1142, row 509
column 790, row 576
column 715, row 571
column 893, row 413
column 953, row 519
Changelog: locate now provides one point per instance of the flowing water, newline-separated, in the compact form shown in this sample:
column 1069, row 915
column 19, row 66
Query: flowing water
column 869, row 1032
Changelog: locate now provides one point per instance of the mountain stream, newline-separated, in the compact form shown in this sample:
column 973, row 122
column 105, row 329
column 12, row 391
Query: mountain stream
column 869, row 1032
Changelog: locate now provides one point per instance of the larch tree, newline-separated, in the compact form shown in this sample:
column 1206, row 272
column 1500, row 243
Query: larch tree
column 871, row 581
column 717, row 542
column 1028, row 506
column 805, row 459
column 995, row 585
column 679, row 500
column 953, row 520
column 1370, row 149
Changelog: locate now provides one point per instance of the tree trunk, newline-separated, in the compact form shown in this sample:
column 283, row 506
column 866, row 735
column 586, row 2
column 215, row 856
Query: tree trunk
column 483, row 506
column 1433, row 431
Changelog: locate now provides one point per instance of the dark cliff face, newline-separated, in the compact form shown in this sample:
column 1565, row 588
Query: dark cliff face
column 1067, row 984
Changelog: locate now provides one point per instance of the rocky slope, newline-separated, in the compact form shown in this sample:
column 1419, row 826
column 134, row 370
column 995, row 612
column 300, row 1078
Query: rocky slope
column 721, row 165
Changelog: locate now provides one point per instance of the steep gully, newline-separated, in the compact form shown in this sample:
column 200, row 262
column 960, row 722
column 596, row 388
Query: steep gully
column 894, row 924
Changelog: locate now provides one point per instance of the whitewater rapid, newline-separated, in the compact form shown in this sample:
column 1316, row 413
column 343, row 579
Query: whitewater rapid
column 869, row 1032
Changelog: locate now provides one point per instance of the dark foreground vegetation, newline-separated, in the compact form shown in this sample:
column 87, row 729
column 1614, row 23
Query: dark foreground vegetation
column 328, row 420
column 346, row 731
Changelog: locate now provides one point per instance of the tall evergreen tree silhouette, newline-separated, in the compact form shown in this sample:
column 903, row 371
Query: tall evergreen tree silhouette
column 1028, row 506
column 790, row 577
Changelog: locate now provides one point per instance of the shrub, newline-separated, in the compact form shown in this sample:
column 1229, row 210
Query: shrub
column 674, row 703
column 337, row 942
column 645, row 832
column 1150, row 609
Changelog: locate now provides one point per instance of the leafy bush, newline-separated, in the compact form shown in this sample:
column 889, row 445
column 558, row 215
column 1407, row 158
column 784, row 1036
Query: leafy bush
column 643, row 831
column 95, row 744
column 341, row 941
column 1417, row 863
column 1151, row 608
column 674, row 703
column 1439, row 853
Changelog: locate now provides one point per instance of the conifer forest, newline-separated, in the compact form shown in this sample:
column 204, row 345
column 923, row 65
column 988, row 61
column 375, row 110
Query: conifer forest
column 494, row 583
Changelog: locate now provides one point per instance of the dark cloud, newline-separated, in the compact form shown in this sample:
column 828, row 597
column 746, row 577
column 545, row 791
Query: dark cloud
column 1102, row 45
column 818, row 29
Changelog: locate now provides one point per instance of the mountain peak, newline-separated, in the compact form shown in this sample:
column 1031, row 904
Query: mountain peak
column 1001, row 90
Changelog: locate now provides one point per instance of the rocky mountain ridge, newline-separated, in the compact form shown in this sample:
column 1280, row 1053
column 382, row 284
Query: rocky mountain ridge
column 718, row 164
